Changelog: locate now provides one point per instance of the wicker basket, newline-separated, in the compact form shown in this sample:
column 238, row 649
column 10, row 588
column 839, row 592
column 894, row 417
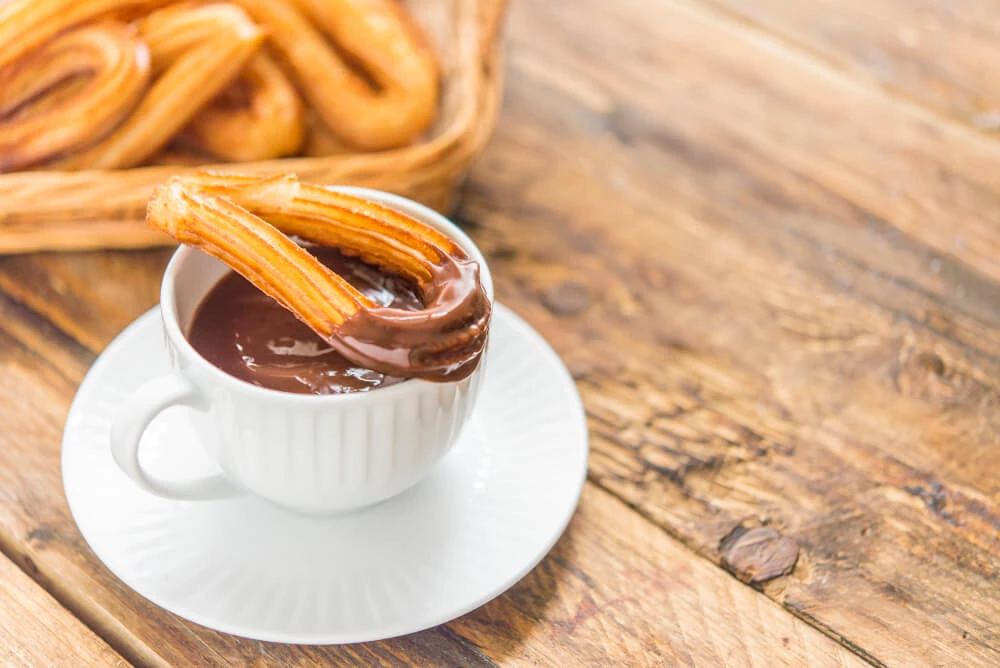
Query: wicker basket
column 105, row 209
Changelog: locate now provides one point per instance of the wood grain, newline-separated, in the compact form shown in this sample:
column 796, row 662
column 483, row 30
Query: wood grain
column 613, row 591
column 937, row 54
column 615, row 586
column 42, row 360
column 779, row 330
column 776, row 286
column 36, row 631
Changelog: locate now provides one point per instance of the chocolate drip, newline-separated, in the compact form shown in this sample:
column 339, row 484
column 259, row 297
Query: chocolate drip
column 441, row 342
column 250, row 336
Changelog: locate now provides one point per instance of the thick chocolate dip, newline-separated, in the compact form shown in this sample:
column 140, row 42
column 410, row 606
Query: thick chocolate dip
column 248, row 335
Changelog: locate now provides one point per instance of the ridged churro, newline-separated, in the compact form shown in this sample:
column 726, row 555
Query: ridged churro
column 257, row 118
column 42, row 113
column 244, row 221
column 108, row 84
column 196, row 52
column 377, row 35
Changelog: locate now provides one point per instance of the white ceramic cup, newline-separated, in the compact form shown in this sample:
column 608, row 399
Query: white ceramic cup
column 313, row 454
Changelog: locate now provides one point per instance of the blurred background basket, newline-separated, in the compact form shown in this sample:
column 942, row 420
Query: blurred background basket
column 42, row 210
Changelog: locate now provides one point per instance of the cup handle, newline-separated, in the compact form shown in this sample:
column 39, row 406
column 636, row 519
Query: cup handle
column 132, row 421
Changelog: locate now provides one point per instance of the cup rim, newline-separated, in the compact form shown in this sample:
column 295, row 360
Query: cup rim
column 168, row 311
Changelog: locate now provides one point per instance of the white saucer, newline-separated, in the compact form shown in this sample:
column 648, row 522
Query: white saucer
column 483, row 519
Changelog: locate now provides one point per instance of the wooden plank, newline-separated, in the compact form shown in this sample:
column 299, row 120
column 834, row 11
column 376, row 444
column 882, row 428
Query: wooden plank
column 42, row 363
column 774, row 325
column 616, row 587
column 712, row 92
column 776, row 287
column 36, row 631
column 614, row 591
column 936, row 53
column 692, row 166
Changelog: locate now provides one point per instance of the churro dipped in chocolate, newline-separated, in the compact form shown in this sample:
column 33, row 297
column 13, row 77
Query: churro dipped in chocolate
column 244, row 221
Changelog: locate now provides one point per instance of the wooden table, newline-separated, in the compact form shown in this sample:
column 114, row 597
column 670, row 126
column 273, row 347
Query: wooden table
column 765, row 238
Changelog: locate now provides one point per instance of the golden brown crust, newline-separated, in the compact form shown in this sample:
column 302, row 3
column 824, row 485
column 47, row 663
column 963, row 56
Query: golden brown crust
column 320, row 142
column 188, row 210
column 363, row 66
column 197, row 51
column 267, row 124
column 46, row 109
column 243, row 221
column 377, row 35
column 25, row 25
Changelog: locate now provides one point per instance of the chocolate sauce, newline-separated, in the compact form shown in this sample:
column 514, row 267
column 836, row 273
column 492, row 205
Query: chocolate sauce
column 443, row 341
column 248, row 335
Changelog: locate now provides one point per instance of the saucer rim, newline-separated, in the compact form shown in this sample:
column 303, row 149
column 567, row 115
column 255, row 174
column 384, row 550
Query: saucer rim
column 524, row 330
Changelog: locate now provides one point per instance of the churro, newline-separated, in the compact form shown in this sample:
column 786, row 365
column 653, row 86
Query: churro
column 396, row 97
column 71, row 92
column 245, row 222
column 195, row 52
